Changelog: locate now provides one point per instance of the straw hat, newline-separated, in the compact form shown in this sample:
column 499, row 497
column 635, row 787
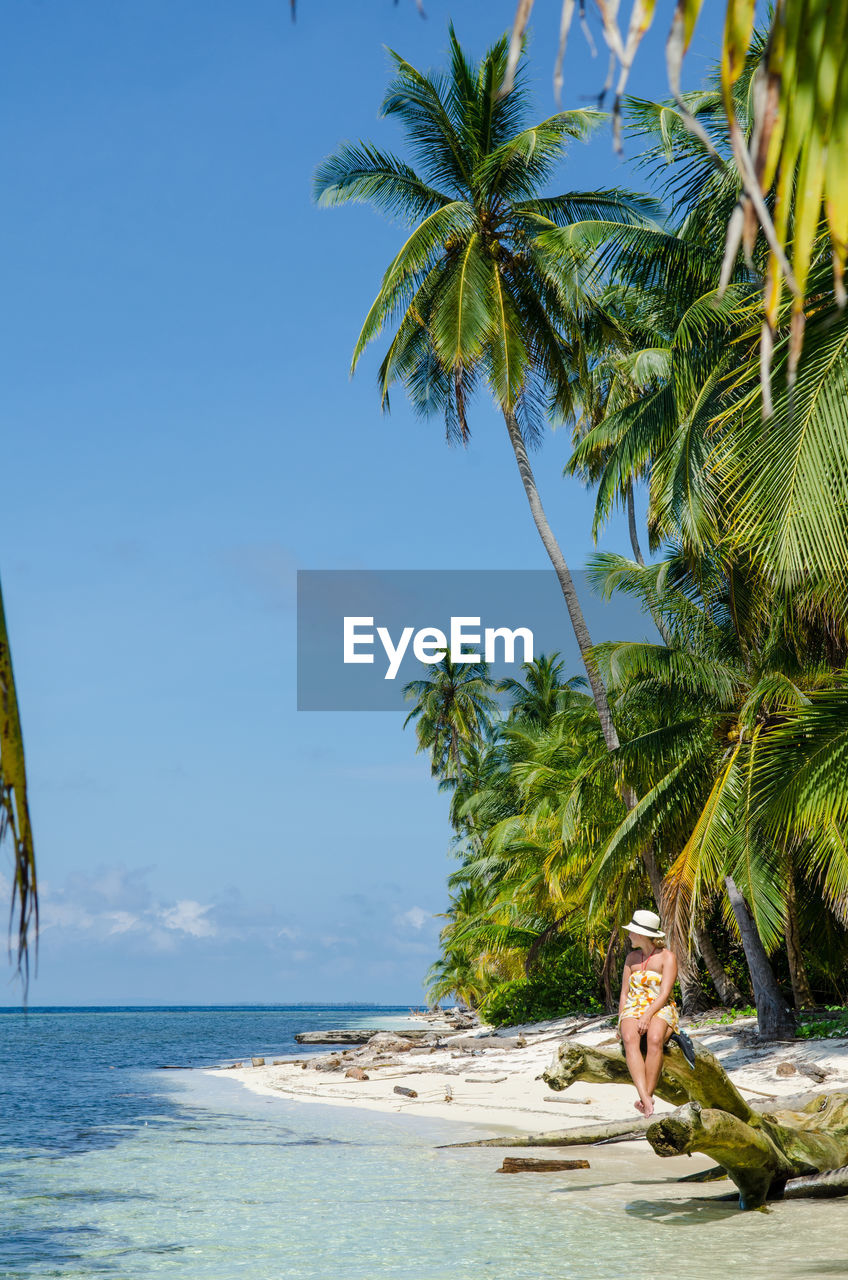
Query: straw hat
column 646, row 923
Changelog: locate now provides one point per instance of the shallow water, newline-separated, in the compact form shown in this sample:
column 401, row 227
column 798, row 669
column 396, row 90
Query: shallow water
column 134, row 1172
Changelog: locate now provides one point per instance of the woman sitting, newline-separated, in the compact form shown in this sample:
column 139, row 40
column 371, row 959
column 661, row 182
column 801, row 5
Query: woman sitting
column 645, row 1007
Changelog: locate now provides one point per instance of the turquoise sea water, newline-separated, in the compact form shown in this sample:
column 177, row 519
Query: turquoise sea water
column 111, row 1166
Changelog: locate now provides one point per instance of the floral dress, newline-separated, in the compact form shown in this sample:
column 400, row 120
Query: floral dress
column 643, row 989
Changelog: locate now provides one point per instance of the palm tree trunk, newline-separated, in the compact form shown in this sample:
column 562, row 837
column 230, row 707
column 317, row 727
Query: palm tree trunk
column 581, row 631
column 801, row 991
column 613, row 949
column 776, row 1020
column 727, row 990
column 637, row 555
column 693, row 997
column 566, row 582
column 453, row 753
column 649, row 858
column 631, row 526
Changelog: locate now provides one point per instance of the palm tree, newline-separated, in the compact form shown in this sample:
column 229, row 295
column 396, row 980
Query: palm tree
column 454, row 974
column 473, row 299
column 14, row 807
column 453, row 708
column 543, row 693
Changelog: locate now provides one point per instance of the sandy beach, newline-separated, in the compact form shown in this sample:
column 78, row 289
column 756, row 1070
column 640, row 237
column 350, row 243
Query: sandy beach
column 492, row 1078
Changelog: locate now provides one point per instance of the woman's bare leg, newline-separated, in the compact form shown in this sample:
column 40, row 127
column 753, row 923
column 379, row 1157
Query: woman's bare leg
column 636, row 1064
column 658, row 1032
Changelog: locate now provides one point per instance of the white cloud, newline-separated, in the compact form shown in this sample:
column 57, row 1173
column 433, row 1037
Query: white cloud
column 415, row 918
column 112, row 903
column 122, row 921
column 64, row 915
column 189, row 917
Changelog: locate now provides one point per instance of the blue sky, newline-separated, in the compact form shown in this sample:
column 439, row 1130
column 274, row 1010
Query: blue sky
column 180, row 436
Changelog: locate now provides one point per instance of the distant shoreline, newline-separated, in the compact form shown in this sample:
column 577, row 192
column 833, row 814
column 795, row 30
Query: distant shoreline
column 353, row 1006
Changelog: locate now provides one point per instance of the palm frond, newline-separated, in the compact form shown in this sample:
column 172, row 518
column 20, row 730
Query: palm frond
column 361, row 172
column 614, row 205
column 788, row 485
column 406, row 268
column 520, row 165
column 418, row 102
column 14, row 806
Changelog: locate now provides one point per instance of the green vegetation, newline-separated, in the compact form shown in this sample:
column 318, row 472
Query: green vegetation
column 707, row 770
column 728, row 1018
column 825, row 1028
column 566, row 983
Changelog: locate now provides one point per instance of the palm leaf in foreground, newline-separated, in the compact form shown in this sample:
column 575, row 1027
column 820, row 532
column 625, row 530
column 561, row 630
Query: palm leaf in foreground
column 795, row 142
column 14, row 808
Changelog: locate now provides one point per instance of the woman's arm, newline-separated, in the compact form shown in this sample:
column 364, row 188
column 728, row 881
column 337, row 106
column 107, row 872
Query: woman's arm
column 625, row 985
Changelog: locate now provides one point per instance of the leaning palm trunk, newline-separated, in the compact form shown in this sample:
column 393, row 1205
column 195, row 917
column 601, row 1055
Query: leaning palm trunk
column 14, row 810
column 613, row 949
column 640, row 560
column 631, row 528
column 775, row 1018
column 566, row 582
column 801, row 991
column 693, row 997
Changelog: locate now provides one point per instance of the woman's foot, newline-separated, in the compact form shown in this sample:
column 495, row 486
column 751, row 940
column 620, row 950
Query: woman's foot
column 639, row 1105
column 647, row 1107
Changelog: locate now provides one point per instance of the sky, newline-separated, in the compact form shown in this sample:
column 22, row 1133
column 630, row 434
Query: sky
column 180, row 436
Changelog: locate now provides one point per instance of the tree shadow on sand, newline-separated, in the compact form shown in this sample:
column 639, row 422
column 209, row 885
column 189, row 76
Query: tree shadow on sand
column 692, row 1211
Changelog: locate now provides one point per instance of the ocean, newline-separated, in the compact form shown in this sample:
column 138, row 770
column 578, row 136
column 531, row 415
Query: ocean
column 120, row 1159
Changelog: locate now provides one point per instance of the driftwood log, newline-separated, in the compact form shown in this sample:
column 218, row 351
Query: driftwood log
column 335, row 1037
column 760, row 1150
column 515, row 1164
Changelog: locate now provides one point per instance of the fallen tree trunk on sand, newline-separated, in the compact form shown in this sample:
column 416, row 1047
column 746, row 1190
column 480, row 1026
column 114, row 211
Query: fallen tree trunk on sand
column 761, row 1151
column 580, row 1136
column 820, row 1185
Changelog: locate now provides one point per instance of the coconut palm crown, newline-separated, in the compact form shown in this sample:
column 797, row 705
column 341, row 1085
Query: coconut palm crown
column 471, row 297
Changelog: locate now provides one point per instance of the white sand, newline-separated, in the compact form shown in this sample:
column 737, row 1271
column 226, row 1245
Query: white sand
column 490, row 1081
